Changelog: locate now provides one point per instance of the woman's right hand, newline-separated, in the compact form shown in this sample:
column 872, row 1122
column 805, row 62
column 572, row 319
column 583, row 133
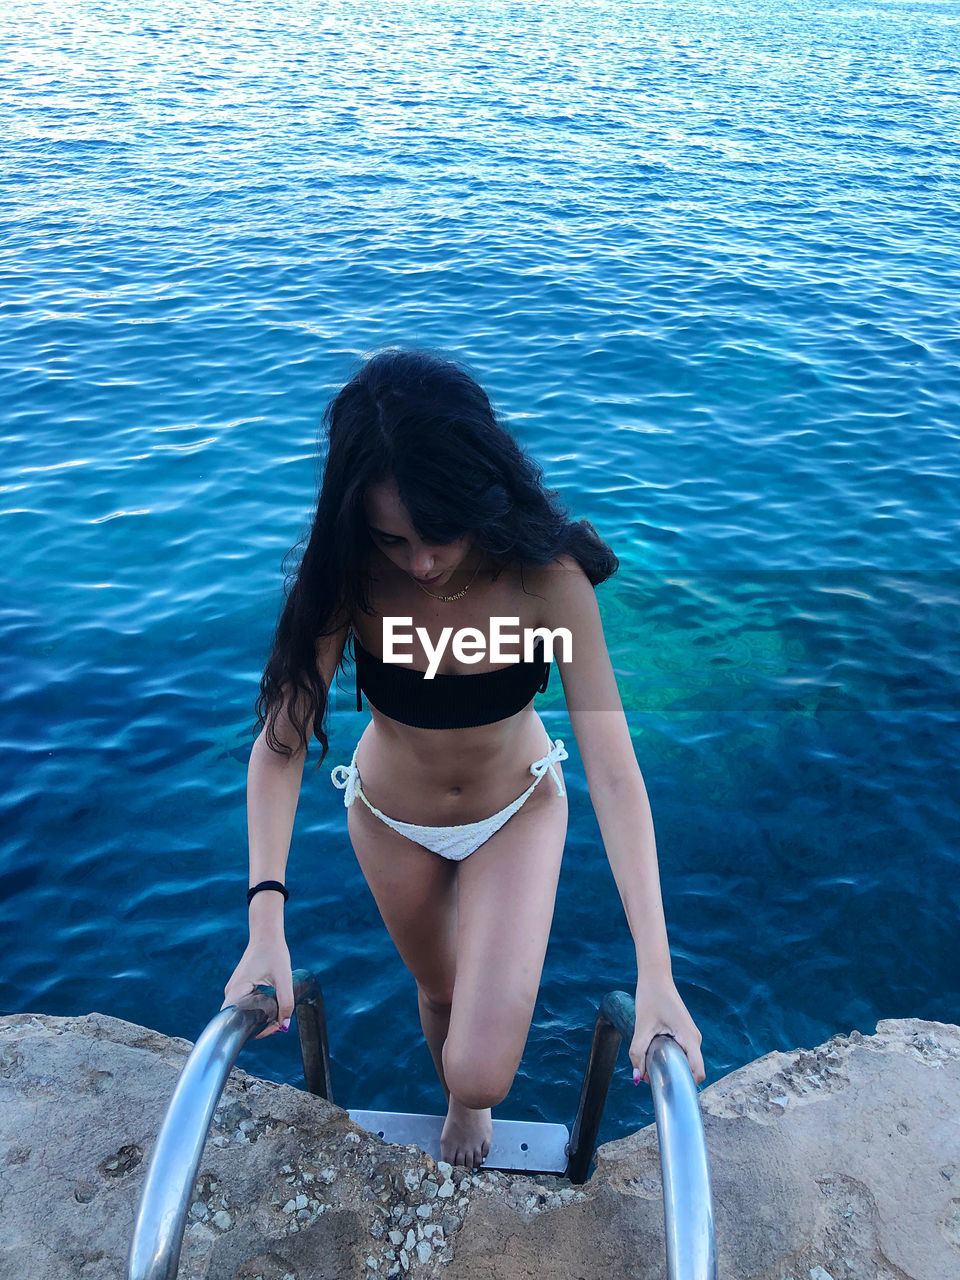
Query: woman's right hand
column 264, row 961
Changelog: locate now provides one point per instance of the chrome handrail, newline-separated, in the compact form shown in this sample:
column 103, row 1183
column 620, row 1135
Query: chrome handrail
column 684, row 1168
column 172, row 1171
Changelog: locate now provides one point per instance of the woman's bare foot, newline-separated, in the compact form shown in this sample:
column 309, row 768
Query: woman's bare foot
column 466, row 1135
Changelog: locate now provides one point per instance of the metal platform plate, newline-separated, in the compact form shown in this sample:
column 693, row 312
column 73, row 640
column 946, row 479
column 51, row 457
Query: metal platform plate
column 519, row 1146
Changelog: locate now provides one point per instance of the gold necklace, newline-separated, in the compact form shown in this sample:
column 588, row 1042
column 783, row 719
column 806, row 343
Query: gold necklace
column 457, row 595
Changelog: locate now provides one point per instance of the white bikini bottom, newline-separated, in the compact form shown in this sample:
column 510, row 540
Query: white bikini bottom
column 461, row 839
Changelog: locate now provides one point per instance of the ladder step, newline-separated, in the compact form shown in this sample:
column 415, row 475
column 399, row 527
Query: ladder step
column 518, row 1146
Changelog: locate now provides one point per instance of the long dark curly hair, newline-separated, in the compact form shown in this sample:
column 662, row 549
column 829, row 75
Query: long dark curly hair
column 421, row 418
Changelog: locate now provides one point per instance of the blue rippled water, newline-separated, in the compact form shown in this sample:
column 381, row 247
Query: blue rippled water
column 705, row 259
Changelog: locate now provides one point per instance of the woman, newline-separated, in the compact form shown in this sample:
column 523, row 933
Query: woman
column 432, row 521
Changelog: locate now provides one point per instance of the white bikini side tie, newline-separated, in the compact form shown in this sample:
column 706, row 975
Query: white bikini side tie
column 540, row 767
column 346, row 777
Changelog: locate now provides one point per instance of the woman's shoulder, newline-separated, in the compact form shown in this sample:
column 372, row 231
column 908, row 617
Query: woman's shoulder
column 562, row 561
column 564, row 568
column 558, row 586
column 569, row 563
column 566, row 591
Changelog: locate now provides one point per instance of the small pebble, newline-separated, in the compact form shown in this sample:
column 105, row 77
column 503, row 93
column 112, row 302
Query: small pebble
column 424, row 1251
column 446, row 1190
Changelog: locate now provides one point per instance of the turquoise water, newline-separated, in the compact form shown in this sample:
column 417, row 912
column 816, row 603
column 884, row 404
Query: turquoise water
column 705, row 259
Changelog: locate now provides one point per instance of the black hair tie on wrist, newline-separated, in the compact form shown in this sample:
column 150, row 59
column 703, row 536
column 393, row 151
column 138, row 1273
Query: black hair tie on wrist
column 268, row 884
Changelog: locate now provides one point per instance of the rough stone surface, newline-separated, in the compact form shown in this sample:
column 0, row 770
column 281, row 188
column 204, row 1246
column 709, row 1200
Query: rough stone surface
column 835, row 1163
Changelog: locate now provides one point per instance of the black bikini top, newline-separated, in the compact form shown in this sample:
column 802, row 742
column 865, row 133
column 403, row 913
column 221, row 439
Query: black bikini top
column 447, row 701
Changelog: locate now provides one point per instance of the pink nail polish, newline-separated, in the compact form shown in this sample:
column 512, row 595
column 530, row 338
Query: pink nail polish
column 636, row 1075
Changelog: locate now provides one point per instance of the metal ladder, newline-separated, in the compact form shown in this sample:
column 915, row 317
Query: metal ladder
column 518, row 1146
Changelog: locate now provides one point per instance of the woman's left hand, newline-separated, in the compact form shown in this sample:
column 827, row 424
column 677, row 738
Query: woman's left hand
column 661, row 1011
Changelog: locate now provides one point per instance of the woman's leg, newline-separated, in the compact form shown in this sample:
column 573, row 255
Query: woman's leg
column 506, row 895
column 435, row 1021
column 415, row 892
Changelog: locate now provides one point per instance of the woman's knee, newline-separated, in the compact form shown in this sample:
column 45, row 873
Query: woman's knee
column 438, row 997
column 477, row 1080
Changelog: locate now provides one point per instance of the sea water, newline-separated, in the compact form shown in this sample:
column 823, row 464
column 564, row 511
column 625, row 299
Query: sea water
column 705, row 261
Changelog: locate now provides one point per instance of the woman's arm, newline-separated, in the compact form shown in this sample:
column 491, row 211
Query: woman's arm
column 273, row 792
column 616, row 785
column 626, row 827
column 619, row 798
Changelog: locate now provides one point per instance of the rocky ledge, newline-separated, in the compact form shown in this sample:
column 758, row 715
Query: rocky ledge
column 835, row 1163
